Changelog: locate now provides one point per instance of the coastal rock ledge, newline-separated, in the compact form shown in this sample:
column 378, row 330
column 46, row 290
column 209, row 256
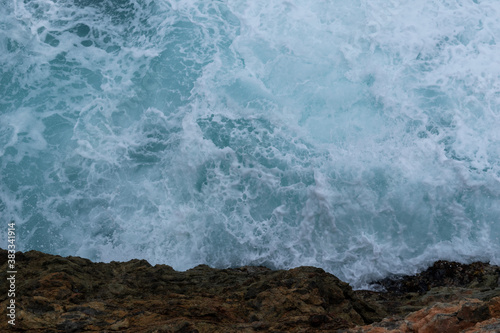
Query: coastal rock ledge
column 56, row 294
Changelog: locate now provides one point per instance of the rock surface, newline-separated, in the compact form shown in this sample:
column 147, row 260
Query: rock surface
column 55, row 294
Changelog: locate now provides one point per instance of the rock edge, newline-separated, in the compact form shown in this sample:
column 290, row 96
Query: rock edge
column 56, row 294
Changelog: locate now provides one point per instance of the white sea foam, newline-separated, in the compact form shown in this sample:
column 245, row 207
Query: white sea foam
column 360, row 137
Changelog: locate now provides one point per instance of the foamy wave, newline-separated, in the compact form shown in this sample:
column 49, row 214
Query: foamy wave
column 357, row 137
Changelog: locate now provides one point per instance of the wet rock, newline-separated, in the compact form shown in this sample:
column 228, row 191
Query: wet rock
column 444, row 273
column 447, row 297
column 72, row 294
column 55, row 294
column 462, row 316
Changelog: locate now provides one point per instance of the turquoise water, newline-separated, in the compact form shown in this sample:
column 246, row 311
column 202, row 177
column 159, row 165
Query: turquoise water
column 357, row 136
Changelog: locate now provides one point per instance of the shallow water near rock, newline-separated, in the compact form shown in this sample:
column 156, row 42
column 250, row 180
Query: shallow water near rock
column 358, row 137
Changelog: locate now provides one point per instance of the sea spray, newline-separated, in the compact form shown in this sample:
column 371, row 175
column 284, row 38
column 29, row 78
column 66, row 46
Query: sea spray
column 359, row 137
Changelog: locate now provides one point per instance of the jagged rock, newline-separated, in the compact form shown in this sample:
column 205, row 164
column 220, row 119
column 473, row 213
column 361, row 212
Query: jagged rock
column 55, row 294
column 447, row 297
column 444, row 273
column 470, row 315
column 73, row 294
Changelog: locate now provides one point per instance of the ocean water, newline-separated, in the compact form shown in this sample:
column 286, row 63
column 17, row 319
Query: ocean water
column 358, row 136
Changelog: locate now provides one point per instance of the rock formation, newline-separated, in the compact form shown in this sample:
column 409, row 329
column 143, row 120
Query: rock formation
column 55, row 294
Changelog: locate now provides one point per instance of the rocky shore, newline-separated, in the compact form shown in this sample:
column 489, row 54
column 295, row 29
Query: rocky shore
column 56, row 294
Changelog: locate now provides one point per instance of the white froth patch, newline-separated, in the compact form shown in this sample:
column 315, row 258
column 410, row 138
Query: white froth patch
column 360, row 137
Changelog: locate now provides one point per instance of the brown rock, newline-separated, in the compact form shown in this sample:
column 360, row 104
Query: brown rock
column 494, row 307
column 55, row 294
column 492, row 325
